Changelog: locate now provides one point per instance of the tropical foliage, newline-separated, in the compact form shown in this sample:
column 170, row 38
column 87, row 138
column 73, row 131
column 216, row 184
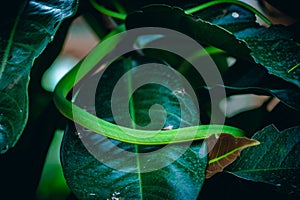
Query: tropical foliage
column 255, row 153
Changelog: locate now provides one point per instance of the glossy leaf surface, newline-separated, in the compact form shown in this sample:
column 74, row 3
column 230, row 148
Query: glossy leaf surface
column 22, row 39
column 128, row 171
column 275, row 161
column 232, row 29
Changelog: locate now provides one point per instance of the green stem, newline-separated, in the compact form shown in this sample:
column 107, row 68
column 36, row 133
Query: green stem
column 119, row 7
column 240, row 3
column 107, row 12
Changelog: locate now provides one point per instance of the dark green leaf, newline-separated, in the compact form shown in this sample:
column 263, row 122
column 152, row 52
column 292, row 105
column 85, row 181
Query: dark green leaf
column 231, row 17
column 275, row 50
column 22, row 39
column 32, row 148
column 266, row 44
column 247, row 77
column 160, row 95
column 272, row 47
column 175, row 18
column 90, row 178
column 275, row 161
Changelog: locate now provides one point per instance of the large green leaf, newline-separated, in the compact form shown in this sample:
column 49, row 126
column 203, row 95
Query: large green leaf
column 175, row 18
column 275, row 161
column 232, row 31
column 90, row 178
column 22, row 39
column 248, row 77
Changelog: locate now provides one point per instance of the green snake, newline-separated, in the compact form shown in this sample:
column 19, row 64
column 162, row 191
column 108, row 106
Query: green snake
column 110, row 130
column 113, row 131
column 97, row 125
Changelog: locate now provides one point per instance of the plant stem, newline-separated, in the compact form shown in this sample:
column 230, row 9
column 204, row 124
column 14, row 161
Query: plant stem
column 108, row 12
column 119, row 7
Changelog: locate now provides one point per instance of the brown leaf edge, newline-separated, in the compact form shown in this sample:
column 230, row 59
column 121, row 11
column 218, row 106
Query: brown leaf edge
column 223, row 150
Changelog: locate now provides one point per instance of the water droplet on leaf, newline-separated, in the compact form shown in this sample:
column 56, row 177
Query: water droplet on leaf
column 78, row 134
column 235, row 15
column 115, row 196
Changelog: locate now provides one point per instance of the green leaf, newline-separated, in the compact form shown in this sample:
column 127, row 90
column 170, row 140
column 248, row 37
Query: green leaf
column 246, row 77
column 275, row 161
column 23, row 39
column 175, row 18
column 267, row 48
column 91, row 178
column 160, row 95
column 223, row 150
column 272, row 47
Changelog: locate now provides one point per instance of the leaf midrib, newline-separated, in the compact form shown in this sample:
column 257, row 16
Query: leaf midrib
column 231, row 152
column 132, row 114
column 266, row 169
column 10, row 40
